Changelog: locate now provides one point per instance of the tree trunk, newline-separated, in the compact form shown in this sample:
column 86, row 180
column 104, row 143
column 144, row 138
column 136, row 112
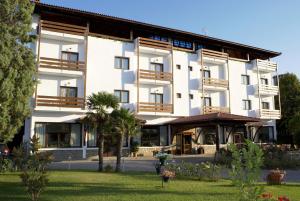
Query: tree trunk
column 119, row 153
column 100, row 151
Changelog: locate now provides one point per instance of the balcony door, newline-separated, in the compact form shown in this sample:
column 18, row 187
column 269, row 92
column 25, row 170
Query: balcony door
column 264, row 81
column 70, row 56
column 207, row 101
column 156, row 98
column 206, row 73
column 157, row 67
column 70, row 93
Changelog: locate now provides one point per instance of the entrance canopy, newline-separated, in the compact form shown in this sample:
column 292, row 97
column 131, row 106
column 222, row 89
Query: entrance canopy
column 213, row 119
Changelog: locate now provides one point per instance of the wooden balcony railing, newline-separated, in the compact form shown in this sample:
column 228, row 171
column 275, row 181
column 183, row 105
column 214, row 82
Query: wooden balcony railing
column 155, row 107
column 63, row 28
column 270, row 114
column 147, row 42
column 267, row 89
column 214, row 54
column 155, row 75
column 213, row 109
column 215, row 82
column 58, row 101
column 61, row 64
column 265, row 65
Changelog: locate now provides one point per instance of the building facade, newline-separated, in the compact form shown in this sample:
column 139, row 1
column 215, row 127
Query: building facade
column 160, row 73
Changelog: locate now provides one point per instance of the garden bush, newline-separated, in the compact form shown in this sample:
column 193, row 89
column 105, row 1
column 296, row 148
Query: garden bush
column 204, row 171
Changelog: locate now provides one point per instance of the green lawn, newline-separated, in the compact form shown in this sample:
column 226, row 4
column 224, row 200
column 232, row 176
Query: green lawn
column 93, row 186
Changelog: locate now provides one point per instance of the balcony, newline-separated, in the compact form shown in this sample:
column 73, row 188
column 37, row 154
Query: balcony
column 62, row 31
column 270, row 114
column 58, row 101
column 214, row 109
column 58, row 66
column 215, row 84
column 211, row 56
column 266, row 90
column 147, row 45
column 264, row 66
column 155, row 77
column 155, row 107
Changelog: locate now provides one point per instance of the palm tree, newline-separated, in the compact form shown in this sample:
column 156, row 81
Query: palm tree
column 98, row 117
column 124, row 124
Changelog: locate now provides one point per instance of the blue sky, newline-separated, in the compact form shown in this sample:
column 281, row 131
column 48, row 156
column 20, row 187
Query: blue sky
column 269, row 24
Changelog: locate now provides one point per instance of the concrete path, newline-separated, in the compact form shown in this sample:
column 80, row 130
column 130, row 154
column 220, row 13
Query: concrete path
column 147, row 164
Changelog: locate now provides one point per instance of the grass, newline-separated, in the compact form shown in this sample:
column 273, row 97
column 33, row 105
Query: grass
column 94, row 186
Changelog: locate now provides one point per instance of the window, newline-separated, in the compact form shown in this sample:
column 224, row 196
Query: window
column 247, row 105
column 190, row 68
column 265, row 105
column 207, row 101
column 264, row 81
column 122, row 95
column 206, row 73
column 182, row 44
column 178, row 66
column 157, row 67
column 68, row 91
column 58, row 134
column 69, row 56
column 191, row 96
column 156, row 98
column 245, row 79
column 178, row 95
column 122, row 63
column 160, row 38
column 264, row 134
column 154, row 136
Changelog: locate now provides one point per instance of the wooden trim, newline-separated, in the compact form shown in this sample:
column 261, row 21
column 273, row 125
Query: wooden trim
column 86, row 59
column 59, row 101
column 109, row 37
column 184, row 50
column 38, row 60
column 63, row 28
column 214, row 109
column 147, row 42
column 215, row 82
column 45, row 62
column 214, row 54
column 155, row 75
column 155, row 107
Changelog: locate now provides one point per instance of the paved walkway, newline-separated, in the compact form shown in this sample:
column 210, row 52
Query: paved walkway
column 147, row 164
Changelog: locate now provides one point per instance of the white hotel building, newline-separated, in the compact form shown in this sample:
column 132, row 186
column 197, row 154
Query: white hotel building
column 193, row 91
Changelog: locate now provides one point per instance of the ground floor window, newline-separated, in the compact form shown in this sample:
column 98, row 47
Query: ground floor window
column 92, row 139
column 59, row 134
column 154, row 136
column 264, row 134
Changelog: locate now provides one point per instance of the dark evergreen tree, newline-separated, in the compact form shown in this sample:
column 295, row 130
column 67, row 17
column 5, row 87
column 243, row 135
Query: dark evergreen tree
column 17, row 65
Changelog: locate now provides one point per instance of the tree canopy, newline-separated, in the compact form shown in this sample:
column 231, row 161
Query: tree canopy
column 17, row 65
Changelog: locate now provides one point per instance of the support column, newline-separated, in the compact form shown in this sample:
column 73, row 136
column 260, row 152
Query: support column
column 218, row 131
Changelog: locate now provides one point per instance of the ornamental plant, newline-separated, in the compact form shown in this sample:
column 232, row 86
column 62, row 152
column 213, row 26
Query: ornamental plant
column 162, row 157
column 245, row 170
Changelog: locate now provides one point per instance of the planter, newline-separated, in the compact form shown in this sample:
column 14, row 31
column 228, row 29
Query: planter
column 275, row 177
column 165, row 178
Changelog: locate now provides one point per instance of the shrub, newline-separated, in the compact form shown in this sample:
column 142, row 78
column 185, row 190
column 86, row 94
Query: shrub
column 245, row 170
column 275, row 157
column 5, row 165
column 203, row 171
column 134, row 147
column 108, row 168
column 33, row 168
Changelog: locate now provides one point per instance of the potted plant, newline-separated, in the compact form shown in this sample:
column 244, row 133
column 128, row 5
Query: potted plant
column 166, row 175
column 134, row 148
column 162, row 157
column 275, row 177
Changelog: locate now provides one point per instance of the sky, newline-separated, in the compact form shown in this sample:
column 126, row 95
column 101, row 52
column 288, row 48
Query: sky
column 268, row 24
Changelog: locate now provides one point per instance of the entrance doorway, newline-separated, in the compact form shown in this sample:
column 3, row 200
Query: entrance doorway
column 184, row 143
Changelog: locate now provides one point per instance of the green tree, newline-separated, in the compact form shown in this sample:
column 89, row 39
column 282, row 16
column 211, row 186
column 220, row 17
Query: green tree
column 17, row 65
column 98, row 117
column 124, row 124
column 290, row 102
column 294, row 128
column 245, row 170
